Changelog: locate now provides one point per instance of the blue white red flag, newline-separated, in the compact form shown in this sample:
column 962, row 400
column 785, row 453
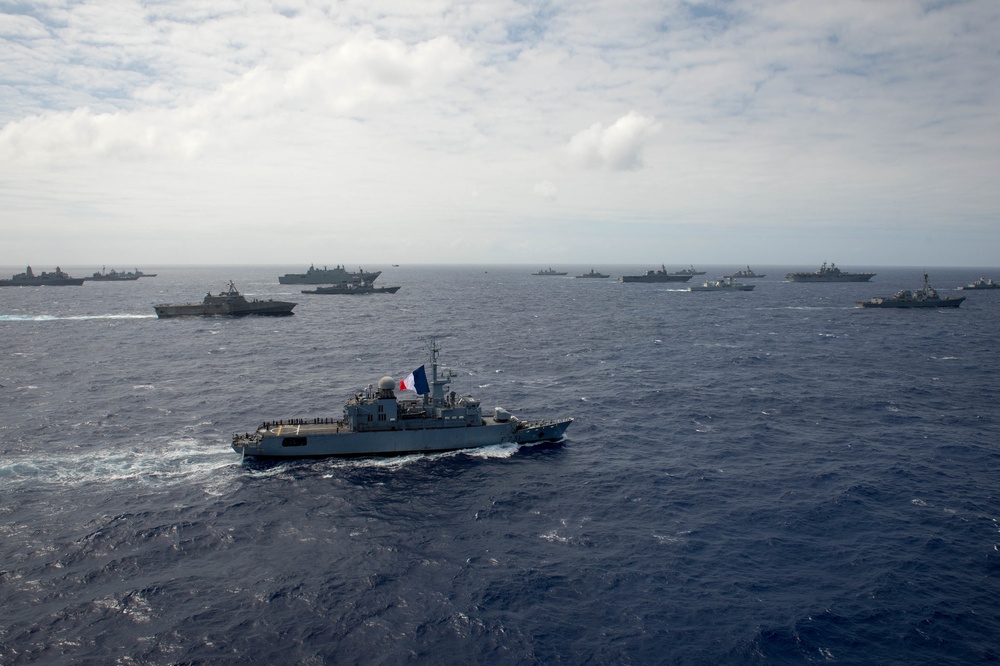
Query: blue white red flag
column 416, row 381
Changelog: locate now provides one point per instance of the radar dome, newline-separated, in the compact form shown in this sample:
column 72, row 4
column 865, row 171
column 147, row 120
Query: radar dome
column 386, row 383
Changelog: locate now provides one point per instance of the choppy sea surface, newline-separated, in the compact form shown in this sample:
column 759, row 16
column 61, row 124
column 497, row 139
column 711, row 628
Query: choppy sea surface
column 766, row 477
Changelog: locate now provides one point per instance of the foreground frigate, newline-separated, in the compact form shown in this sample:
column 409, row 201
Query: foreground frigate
column 230, row 303
column 377, row 423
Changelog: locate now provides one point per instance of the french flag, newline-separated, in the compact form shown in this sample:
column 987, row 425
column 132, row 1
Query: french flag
column 416, row 381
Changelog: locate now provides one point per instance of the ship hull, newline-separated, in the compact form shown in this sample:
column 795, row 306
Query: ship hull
column 351, row 290
column 904, row 305
column 328, row 277
column 850, row 277
column 271, row 309
column 58, row 282
column 331, row 440
column 741, row 287
column 655, row 278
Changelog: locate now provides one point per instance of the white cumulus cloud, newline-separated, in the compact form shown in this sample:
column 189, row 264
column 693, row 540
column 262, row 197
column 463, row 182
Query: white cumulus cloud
column 618, row 147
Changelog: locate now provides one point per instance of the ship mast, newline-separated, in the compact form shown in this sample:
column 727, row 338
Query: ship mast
column 437, row 385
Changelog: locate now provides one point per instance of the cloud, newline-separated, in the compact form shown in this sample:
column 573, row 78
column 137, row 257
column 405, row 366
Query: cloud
column 546, row 189
column 365, row 76
column 618, row 147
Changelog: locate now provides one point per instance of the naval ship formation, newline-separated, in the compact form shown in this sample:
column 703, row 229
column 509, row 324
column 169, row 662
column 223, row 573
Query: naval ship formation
column 377, row 422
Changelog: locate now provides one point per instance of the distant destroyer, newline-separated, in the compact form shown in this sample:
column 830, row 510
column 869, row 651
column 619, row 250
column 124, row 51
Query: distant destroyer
column 829, row 274
column 351, row 289
column 593, row 274
column 230, row 303
column 747, row 274
column 328, row 276
column 550, row 271
column 55, row 279
column 981, row 283
column 927, row 297
column 656, row 276
column 690, row 272
column 376, row 422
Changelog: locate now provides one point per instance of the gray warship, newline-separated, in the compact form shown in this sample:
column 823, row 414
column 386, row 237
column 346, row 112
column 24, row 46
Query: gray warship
column 593, row 274
column 927, row 297
column 549, row 271
column 981, row 283
column 54, row 279
column 377, row 423
column 747, row 274
column 230, row 303
column 829, row 274
column 690, row 272
column 117, row 276
column 351, row 289
column 656, row 276
column 723, row 284
column 328, row 276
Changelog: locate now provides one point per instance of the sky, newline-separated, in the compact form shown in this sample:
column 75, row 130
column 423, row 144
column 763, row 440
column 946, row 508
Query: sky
column 771, row 132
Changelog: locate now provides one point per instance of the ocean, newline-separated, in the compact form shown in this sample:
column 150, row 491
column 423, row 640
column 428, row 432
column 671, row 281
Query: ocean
column 764, row 477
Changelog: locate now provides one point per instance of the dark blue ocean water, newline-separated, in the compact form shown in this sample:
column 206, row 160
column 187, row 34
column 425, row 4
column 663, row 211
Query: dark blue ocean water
column 752, row 478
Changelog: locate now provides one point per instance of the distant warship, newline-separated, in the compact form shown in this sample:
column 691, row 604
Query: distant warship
column 829, row 274
column 982, row 283
column 927, row 297
column 117, row 276
column 351, row 289
column 747, row 274
column 328, row 276
column 229, row 303
column 723, row 284
column 690, row 272
column 593, row 274
column 549, row 271
column 656, row 276
column 376, row 422
column 29, row 279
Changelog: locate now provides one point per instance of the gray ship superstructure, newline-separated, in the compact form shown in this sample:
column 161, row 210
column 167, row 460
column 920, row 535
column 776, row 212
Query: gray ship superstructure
column 829, row 274
column 376, row 422
column 229, row 303
column 326, row 275
column 927, row 297
column 55, row 279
